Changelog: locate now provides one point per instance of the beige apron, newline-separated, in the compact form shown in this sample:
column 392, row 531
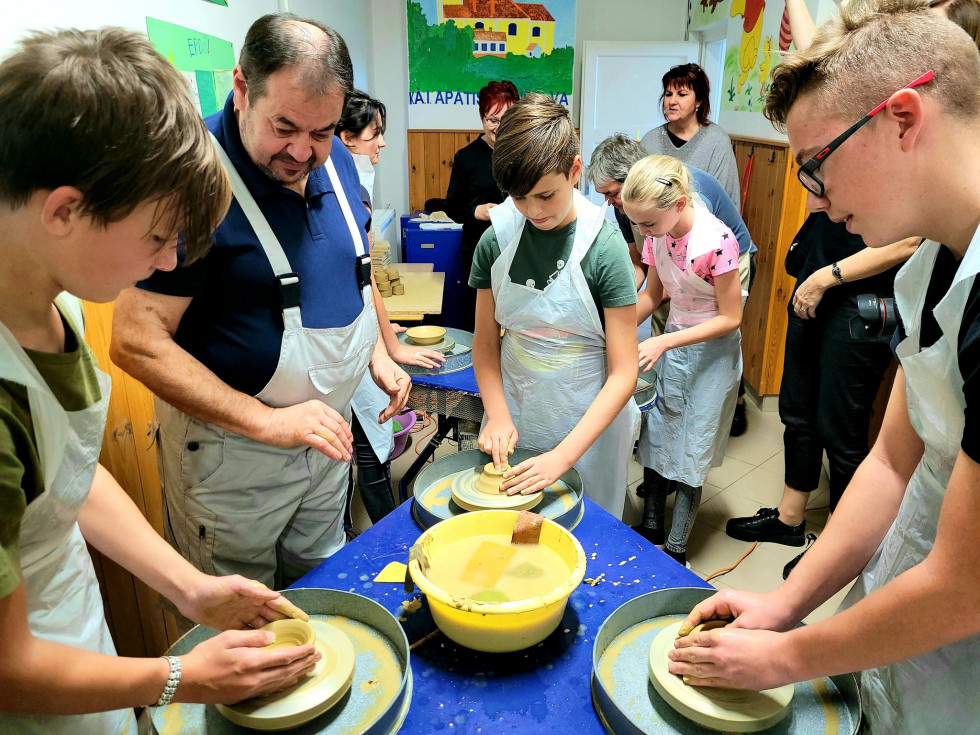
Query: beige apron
column 64, row 603
column 553, row 357
column 237, row 506
column 939, row 691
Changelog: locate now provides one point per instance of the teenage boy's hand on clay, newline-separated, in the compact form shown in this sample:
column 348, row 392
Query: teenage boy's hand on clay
column 229, row 603
column 233, row 666
column 536, row 473
column 747, row 609
column 735, row 658
column 651, row 350
column 422, row 358
column 498, row 439
column 312, row 423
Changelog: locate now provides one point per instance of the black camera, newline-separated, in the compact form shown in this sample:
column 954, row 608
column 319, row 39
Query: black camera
column 877, row 318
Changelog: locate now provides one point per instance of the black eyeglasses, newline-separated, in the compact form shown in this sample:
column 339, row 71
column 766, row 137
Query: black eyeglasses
column 808, row 171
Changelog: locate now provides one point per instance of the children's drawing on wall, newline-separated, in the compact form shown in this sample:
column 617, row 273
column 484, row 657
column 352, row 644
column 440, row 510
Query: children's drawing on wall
column 752, row 45
column 456, row 46
column 706, row 12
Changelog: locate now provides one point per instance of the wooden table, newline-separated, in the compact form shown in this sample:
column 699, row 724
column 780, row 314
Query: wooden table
column 423, row 293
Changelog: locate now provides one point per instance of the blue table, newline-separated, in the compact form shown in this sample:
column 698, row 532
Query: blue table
column 545, row 689
column 430, row 393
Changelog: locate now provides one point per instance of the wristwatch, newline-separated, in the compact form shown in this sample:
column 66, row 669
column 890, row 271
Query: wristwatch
column 835, row 269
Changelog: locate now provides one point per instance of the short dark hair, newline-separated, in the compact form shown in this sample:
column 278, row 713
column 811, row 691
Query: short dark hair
column 360, row 111
column 278, row 40
column 496, row 94
column 536, row 137
column 693, row 77
column 103, row 112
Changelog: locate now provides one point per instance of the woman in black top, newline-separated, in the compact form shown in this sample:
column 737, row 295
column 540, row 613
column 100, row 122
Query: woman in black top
column 472, row 190
column 831, row 372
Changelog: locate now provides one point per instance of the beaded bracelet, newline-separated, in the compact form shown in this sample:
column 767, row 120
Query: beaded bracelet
column 172, row 681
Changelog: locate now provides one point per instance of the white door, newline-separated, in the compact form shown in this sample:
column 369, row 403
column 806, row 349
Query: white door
column 621, row 87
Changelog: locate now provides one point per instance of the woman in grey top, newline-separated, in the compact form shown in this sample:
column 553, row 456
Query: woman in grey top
column 688, row 135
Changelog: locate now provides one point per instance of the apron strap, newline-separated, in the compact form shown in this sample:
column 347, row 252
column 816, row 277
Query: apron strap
column 356, row 234
column 287, row 279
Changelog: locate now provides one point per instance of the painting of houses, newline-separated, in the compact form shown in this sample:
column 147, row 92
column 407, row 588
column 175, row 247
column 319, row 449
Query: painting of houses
column 524, row 25
column 456, row 46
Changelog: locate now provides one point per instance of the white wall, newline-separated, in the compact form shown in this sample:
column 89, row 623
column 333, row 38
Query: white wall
column 229, row 23
column 625, row 20
column 350, row 19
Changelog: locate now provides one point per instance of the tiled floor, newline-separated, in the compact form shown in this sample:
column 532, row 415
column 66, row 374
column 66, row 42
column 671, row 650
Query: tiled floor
column 750, row 476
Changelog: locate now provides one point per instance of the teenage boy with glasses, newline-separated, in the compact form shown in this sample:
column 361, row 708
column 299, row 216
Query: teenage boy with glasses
column 906, row 528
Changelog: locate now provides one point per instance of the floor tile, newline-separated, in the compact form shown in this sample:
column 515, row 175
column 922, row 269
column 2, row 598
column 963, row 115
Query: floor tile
column 723, row 506
column 776, row 463
column 731, row 469
column 752, row 449
column 762, row 486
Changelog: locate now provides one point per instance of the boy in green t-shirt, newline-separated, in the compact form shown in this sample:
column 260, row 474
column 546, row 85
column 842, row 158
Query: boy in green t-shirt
column 103, row 161
column 558, row 277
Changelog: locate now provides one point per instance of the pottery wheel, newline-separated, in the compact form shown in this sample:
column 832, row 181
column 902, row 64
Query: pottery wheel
column 446, row 344
column 466, row 492
column 311, row 697
column 731, row 710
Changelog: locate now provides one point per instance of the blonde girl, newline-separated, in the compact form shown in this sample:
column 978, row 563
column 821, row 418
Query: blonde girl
column 693, row 257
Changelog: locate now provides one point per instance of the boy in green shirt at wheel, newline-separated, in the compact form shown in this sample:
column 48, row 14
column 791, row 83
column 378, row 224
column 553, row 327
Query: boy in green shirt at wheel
column 558, row 277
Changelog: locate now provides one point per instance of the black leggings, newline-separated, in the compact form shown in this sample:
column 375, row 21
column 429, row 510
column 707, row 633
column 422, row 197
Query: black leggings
column 830, row 381
column 373, row 478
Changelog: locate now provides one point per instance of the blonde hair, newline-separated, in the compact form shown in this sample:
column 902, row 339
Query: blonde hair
column 659, row 181
column 535, row 138
column 872, row 50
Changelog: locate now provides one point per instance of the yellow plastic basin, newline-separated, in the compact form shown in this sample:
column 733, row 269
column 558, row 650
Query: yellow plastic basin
column 426, row 335
column 498, row 626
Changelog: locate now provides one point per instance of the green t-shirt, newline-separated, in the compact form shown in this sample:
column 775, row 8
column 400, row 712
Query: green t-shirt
column 72, row 377
column 541, row 254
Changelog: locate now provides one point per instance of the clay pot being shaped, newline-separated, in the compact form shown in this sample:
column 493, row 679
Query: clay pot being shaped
column 490, row 479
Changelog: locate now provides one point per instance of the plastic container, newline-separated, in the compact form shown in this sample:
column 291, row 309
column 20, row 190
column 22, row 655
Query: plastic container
column 498, row 626
column 407, row 421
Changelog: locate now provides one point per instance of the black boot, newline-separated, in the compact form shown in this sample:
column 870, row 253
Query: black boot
column 655, row 536
column 766, row 526
column 739, row 422
column 679, row 556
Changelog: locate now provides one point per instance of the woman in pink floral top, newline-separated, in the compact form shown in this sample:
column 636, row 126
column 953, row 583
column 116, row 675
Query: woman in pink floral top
column 694, row 258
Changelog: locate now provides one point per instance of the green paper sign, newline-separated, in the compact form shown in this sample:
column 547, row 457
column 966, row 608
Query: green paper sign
column 189, row 50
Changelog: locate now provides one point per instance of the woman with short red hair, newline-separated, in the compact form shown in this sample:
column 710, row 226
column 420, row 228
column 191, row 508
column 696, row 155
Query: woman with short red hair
column 472, row 189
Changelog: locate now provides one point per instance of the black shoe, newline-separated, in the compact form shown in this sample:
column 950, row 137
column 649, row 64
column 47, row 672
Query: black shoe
column 655, row 536
column 791, row 564
column 739, row 423
column 766, row 526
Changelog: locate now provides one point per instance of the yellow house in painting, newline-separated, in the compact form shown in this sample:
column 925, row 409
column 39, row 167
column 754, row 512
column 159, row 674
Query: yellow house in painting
column 528, row 28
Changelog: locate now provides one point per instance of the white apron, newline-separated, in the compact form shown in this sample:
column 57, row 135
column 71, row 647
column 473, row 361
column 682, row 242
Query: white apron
column 685, row 434
column 64, row 603
column 553, row 356
column 368, row 403
column 292, row 499
column 938, row 692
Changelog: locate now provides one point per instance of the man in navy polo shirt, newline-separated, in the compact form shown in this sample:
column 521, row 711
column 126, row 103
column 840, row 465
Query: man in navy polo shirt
column 254, row 351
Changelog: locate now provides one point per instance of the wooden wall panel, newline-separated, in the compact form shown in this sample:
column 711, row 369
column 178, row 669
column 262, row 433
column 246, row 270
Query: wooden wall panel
column 139, row 625
column 430, row 162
